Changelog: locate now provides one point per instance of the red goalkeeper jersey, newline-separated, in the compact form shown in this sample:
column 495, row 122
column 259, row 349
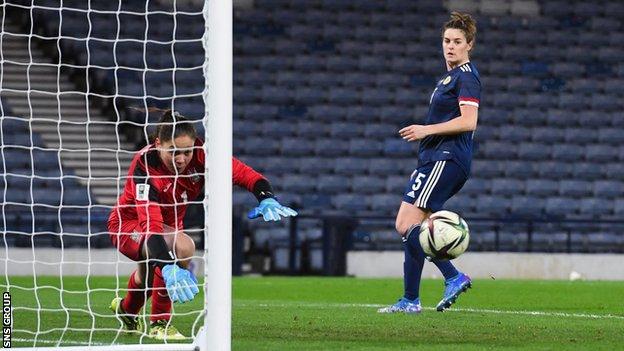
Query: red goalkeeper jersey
column 154, row 195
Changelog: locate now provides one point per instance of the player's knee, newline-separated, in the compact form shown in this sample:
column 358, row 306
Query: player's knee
column 402, row 225
column 185, row 247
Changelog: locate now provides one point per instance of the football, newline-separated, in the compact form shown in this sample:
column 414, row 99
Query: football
column 444, row 235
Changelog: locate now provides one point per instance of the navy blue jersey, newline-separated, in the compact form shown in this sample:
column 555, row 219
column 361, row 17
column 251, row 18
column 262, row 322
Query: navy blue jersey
column 459, row 86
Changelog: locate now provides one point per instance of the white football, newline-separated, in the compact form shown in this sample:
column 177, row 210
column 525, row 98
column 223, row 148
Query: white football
column 444, row 235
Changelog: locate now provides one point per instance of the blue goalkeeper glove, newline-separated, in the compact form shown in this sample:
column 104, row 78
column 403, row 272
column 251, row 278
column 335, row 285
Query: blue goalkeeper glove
column 271, row 210
column 181, row 283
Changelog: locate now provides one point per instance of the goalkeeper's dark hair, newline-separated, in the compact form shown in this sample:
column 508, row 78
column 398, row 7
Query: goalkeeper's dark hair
column 463, row 22
column 171, row 125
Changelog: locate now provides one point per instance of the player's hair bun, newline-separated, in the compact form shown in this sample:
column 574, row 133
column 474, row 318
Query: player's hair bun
column 463, row 22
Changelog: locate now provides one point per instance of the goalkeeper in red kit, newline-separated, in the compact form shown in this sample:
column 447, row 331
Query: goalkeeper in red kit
column 146, row 225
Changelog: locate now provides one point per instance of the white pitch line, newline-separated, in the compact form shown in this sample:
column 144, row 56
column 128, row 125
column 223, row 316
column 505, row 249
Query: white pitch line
column 453, row 309
column 71, row 343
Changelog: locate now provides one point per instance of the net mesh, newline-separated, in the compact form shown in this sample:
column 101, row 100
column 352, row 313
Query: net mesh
column 76, row 81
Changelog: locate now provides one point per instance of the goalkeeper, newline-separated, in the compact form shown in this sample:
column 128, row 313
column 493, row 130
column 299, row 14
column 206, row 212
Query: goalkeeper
column 146, row 225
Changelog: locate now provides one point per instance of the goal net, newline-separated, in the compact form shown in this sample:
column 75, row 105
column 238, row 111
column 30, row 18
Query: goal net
column 77, row 81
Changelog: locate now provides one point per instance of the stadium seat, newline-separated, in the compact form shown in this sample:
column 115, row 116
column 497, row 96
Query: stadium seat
column 581, row 135
column 507, row 187
column 533, row 151
column 368, row 185
column 520, row 169
column 398, row 147
column 561, row 206
column 527, row 206
column 351, row 165
column 487, row 168
column 344, row 130
column 542, row 187
column 596, row 207
column 567, row 152
column 298, row 184
column 350, row 203
column 574, row 188
column 601, row 153
column 587, row 171
column 331, row 184
column 296, row 147
column 316, row 165
column 365, row 148
column 547, row 135
column 331, row 147
column 385, row 203
column 475, row 187
column 608, row 189
column 383, row 166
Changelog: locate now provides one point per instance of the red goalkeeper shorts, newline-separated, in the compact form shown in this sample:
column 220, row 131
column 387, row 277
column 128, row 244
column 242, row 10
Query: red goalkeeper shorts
column 126, row 236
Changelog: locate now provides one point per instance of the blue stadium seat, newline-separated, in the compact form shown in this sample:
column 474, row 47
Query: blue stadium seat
column 383, row 166
column 618, row 207
column 272, row 129
column 332, row 184
column 492, row 205
column 350, row 202
column 573, row 101
column 280, row 165
column 309, row 129
column 567, row 152
column 541, row 187
column 529, row 206
column 385, row 203
column 260, row 146
column 574, row 188
column 343, row 96
column 613, row 136
column 475, row 186
column 340, row 63
column 319, row 79
column 550, row 135
column 331, row 147
column 395, row 184
column 316, row 165
column 534, row 151
column 365, row 148
column 297, row 183
column 360, row 113
column 328, row 113
column 601, row 153
column 587, row 170
column 345, row 130
column 296, row 147
column 358, row 79
column 594, row 207
column 246, row 128
column 380, row 130
column 581, row 135
column 554, row 169
column 608, row 189
column 398, row 147
column 316, row 202
column 561, row 206
column 497, row 150
column 368, row 185
column 606, row 103
column 78, row 196
column 515, row 134
column 487, row 168
column 507, row 187
column 486, row 132
column 520, row 169
column 376, row 96
column 351, row 165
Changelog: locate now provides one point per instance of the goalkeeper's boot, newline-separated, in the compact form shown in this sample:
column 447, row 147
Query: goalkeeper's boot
column 453, row 288
column 403, row 306
column 131, row 323
column 161, row 330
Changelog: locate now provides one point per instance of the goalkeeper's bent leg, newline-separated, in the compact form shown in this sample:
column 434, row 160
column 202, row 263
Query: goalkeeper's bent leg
column 135, row 296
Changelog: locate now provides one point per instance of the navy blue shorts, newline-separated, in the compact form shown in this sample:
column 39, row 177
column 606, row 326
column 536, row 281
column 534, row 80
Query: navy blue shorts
column 433, row 183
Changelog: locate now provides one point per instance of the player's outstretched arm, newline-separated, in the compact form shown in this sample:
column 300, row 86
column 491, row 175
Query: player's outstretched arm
column 269, row 208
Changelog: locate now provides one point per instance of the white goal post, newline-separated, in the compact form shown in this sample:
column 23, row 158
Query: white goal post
column 212, row 327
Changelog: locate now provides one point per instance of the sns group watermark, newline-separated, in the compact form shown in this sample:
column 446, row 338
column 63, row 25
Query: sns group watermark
column 7, row 320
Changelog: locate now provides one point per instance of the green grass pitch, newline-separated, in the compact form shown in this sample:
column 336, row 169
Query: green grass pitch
column 301, row 313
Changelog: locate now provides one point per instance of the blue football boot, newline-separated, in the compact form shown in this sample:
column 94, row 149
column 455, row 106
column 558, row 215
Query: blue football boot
column 454, row 287
column 403, row 306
